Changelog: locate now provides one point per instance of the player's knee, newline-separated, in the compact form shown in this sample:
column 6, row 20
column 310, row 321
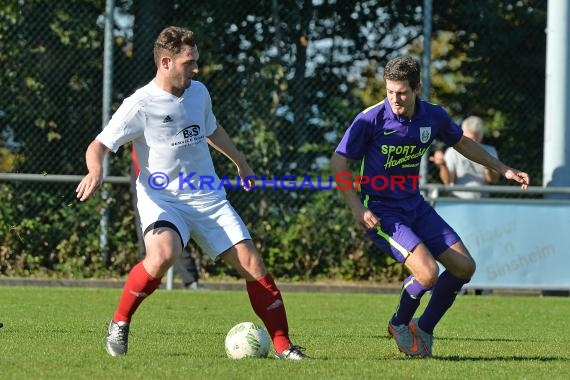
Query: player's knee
column 245, row 258
column 466, row 270
column 428, row 275
column 159, row 260
column 255, row 266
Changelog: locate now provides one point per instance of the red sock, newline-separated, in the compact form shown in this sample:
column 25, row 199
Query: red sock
column 267, row 303
column 139, row 285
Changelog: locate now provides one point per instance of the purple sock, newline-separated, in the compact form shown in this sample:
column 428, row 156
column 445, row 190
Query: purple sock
column 442, row 297
column 412, row 291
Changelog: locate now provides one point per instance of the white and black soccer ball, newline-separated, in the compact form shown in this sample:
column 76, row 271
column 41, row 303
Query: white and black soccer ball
column 247, row 340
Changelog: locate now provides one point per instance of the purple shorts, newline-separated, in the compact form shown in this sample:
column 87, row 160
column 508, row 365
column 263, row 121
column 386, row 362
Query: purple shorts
column 405, row 224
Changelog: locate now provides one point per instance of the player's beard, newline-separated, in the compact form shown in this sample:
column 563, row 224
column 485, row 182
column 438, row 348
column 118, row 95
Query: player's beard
column 187, row 81
column 183, row 83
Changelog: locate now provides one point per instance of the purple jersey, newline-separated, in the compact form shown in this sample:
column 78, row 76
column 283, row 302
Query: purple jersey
column 391, row 147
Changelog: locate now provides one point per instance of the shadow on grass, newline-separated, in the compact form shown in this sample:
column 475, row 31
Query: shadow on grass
column 471, row 339
column 438, row 338
column 466, row 339
column 456, row 358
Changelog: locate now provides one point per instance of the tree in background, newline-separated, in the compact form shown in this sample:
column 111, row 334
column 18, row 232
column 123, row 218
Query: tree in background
column 286, row 76
column 501, row 47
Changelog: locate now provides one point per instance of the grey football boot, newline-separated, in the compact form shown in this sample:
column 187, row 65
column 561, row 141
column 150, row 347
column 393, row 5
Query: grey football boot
column 117, row 338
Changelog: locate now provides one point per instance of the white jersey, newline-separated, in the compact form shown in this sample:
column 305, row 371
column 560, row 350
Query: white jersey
column 467, row 172
column 169, row 135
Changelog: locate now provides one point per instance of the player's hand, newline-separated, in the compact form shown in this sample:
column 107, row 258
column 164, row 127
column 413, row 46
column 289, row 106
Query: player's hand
column 88, row 185
column 247, row 176
column 366, row 219
column 520, row 177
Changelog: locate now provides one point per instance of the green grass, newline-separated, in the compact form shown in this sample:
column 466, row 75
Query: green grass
column 58, row 333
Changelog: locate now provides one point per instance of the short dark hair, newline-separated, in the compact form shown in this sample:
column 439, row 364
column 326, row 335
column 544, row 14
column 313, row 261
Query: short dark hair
column 171, row 39
column 403, row 68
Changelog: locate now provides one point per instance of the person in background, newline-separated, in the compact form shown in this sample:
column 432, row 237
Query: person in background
column 456, row 169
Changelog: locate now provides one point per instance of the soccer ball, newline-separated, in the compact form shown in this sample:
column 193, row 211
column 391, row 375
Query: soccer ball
column 247, row 340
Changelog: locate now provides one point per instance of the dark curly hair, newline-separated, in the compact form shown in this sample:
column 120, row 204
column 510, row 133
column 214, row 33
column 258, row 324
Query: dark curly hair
column 403, row 68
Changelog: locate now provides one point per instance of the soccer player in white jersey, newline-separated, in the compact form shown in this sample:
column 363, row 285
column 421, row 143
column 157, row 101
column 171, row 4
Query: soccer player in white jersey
column 170, row 122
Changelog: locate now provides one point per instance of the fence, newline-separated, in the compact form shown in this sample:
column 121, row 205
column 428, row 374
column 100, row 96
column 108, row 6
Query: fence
column 473, row 217
column 286, row 78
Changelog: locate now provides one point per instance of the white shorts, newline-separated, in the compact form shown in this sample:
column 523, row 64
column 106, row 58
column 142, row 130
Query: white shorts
column 212, row 223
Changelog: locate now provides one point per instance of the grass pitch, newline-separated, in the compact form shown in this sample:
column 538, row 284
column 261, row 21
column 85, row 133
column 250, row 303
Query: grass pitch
column 58, row 333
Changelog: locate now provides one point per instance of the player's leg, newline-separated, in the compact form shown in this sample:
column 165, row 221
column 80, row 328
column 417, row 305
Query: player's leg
column 162, row 243
column 424, row 272
column 264, row 295
column 396, row 238
column 163, row 234
column 459, row 268
column 220, row 232
column 444, row 243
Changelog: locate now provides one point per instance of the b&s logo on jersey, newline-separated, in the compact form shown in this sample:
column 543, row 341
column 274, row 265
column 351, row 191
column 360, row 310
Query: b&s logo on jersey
column 188, row 136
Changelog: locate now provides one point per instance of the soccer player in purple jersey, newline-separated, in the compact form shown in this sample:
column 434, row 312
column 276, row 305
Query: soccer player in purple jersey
column 390, row 138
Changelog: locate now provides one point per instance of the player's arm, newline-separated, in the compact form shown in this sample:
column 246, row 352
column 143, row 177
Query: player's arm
column 221, row 141
column 473, row 151
column 364, row 217
column 94, row 156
